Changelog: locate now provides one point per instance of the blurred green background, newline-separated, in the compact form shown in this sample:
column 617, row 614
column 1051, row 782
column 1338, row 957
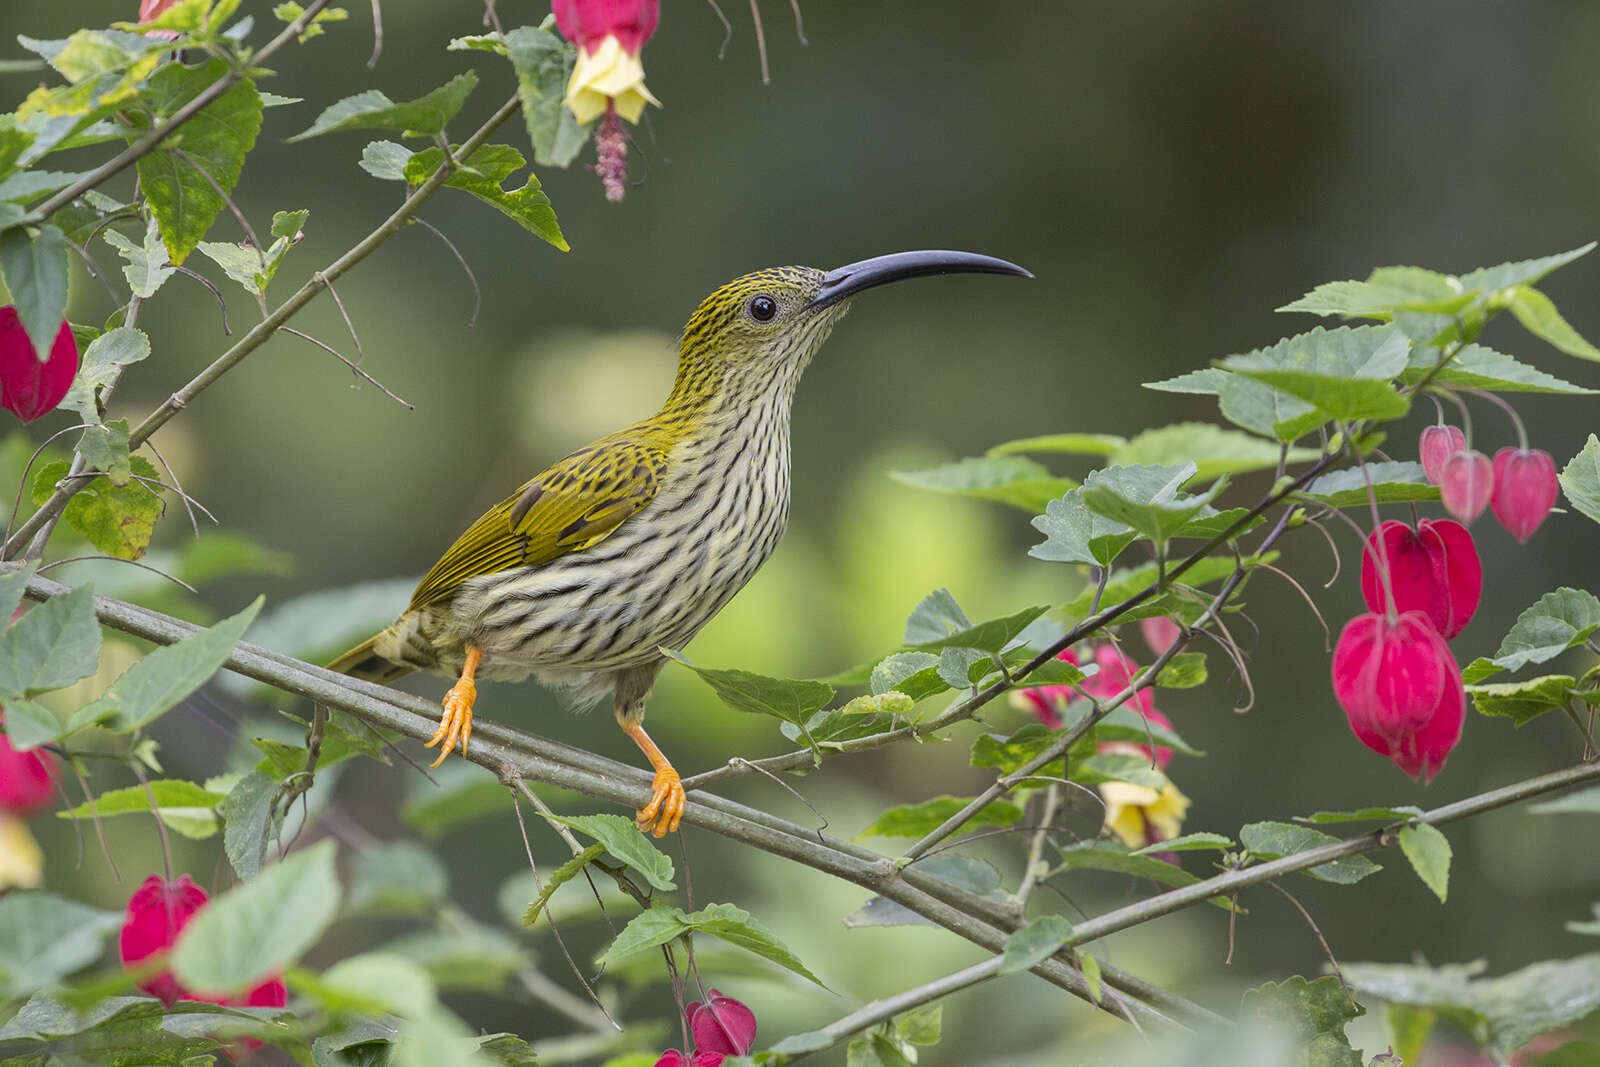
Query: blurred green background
column 1171, row 172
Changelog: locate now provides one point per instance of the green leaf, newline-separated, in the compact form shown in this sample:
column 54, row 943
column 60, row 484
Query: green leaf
column 180, row 188
column 664, row 923
column 936, row 616
column 624, row 841
column 1399, row 814
column 1034, row 943
column 1409, row 1028
column 240, row 262
column 1214, row 450
column 1198, row 842
column 1127, row 724
column 1311, row 1014
column 1554, row 623
column 1184, row 671
column 53, row 645
column 166, row 677
column 556, row 879
column 44, row 938
column 1265, row 410
column 186, row 807
column 35, row 271
column 1149, row 499
column 28, row 725
column 1429, row 853
column 915, row 674
column 964, row 872
column 146, row 265
column 425, row 116
column 1187, row 608
column 395, row 878
column 1083, row 444
column 921, row 1026
column 874, row 1050
column 790, row 699
column 483, row 175
column 1013, row 480
column 990, row 636
column 1009, row 753
column 544, row 62
column 1572, row 1054
column 1386, row 290
column 386, row 160
column 13, row 583
column 260, row 926
column 118, row 520
column 289, row 12
column 1393, row 482
column 1075, row 534
column 105, row 448
column 101, row 363
column 915, row 820
column 1114, row 856
column 1345, row 372
column 1521, row 272
column 1523, row 701
column 1580, row 479
column 1118, row 767
column 1272, row 840
column 1477, row 367
column 1584, row 800
column 1539, row 316
column 248, row 822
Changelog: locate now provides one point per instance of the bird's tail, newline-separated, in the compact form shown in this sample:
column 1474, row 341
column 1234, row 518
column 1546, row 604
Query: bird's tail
column 365, row 663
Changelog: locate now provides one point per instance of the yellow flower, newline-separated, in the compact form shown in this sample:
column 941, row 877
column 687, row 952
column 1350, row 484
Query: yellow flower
column 21, row 862
column 608, row 73
column 1140, row 815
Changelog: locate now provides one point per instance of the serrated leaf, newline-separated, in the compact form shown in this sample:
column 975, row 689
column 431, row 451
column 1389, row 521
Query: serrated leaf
column 1013, row 480
column 1114, row 856
column 1345, row 372
column 989, row 636
column 290, row 12
column 664, row 923
column 101, row 363
column 186, row 807
column 624, row 841
column 915, row 674
column 1188, row 843
column 1186, row 608
column 105, row 448
column 1009, row 753
column 53, row 645
column 13, row 583
column 1214, row 451
column 1083, row 444
column 166, row 677
column 789, row 699
column 1366, row 814
column 35, row 271
column 44, row 938
column 1118, row 767
column 1477, row 367
column 1386, row 290
column 543, row 63
column 184, row 201
column 1429, row 853
column 1148, row 498
column 1126, row 723
column 915, row 820
column 28, row 725
column 385, row 160
column 559, row 877
column 921, row 1026
column 1033, row 943
column 260, row 926
column 1075, row 534
column 117, row 520
column 425, row 116
column 1392, row 481
column 1580, row 479
column 1554, row 623
column 1520, row 272
column 240, row 262
column 145, row 264
column 1539, row 316
column 1523, row 701
column 1263, row 409
column 249, row 822
column 1583, row 800
column 874, row 1050
column 1273, row 840
column 1310, row 1014
column 483, row 175
column 936, row 616
column 1185, row 671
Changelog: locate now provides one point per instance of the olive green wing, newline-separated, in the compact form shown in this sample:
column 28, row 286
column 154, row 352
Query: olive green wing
column 576, row 503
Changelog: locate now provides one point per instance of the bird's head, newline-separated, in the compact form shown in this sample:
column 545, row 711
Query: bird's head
column 767, row 325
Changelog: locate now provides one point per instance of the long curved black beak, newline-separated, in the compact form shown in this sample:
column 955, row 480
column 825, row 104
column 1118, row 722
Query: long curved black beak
column 849, row 280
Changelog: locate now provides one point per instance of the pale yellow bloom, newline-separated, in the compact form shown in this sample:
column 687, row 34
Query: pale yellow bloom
column 21, row 862
column 608, row 73
column 1140, row 815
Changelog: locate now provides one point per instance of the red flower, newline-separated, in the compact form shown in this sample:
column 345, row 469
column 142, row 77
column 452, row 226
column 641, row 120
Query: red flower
column 1433, row 569
column 1400, row 689
column 26, row 779
column 721, row 1025
column 1160, row 633
column 1465, row 481
column 587, row 23
column 1437, row 444
column 1525, row 489
column 157, row 912
column 30, row 388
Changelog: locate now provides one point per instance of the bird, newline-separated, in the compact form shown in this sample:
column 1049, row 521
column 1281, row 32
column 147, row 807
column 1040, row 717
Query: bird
column 582, row 576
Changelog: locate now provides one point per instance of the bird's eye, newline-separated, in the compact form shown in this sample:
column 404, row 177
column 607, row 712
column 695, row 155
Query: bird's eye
column 762, row 308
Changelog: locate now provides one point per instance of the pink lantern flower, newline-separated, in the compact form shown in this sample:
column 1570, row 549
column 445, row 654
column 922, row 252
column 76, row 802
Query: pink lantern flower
column 1466, row 480
column 1525, row 489
column 1433, row 569
column 26, row 779
column 608, row 79
column 1437, row 444
column 1160, row 633
column 30, row 388
column 721, row 1024
column 1400, row 689
column 156, row 914
column 152, row 9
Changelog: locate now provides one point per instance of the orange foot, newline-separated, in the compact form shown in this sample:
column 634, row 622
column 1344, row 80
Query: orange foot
column 667, row 801
column 456, row 721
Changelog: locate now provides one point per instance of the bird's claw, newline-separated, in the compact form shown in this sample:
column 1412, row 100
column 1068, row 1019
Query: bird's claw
column 667, row 801
column 456, row 721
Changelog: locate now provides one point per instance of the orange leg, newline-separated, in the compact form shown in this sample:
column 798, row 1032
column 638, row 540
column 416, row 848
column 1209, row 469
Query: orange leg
column 456, row 721
column 667, row 801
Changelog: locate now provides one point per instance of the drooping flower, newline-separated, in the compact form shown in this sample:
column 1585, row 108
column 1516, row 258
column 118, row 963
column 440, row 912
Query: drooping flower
column 1160, row 633
column 151, row 9
column 1466, row 480
column 1437, row 444
column 608, row 78
column 721, row 1024
column 1400, row 689
column 30, row 388
column 156, row 914
column 26, row 779
column 1140, row 815
column 1525, row 489
column 1433, row 569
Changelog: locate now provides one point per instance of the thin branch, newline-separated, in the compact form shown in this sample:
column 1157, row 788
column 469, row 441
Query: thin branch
column 377, row 33
column 355, row 368
column 203, row 280
column 1327, row 949
column 343, row 314
column 1036, row 864
column 727, row 28
column 155, row 811
column 761, row 42
column 115, row 559
column 477, row 293
column 189, row 504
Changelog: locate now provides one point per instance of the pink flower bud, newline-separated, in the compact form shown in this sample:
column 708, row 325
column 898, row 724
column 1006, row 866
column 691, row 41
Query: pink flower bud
column 586, row 22
column 1160, row 633
column 1400, row 690
column 157, row 912
column 721, row 1025
column 1432, row 569
column 150, row 9
column 1525, row 489
column 1466, row 481
column 25, row 779
column 1439, row 443
column 29, row 388
column 672, row 1058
